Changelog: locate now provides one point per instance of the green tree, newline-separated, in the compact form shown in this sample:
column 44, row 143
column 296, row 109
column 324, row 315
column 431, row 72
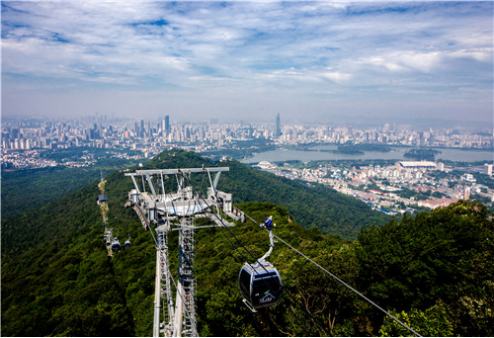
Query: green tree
column 444, row 254
column 433, row 322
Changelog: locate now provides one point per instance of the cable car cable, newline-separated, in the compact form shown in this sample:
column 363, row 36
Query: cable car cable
column 245, row 260
column 243, row 257
column 282, row 287
column 345, row 284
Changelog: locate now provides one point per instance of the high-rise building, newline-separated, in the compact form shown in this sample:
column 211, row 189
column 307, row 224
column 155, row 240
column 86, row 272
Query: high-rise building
column 167, row 124
column 277, row 133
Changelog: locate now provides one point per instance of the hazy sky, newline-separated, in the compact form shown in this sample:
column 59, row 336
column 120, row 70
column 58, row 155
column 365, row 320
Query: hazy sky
column 308, row 61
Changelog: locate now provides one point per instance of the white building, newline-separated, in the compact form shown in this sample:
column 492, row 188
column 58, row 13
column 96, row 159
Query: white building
column 468, row 178
column 488, row 169
column 415, row 165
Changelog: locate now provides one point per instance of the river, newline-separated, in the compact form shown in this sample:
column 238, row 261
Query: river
column 396, row 153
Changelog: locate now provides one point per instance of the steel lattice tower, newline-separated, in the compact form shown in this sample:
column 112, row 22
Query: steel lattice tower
column 177, row 211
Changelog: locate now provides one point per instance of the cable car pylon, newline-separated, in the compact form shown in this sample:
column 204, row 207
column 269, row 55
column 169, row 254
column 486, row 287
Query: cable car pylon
column 178, row 211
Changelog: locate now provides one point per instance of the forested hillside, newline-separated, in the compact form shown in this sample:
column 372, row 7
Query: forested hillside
column 315, row 206
column 435, row 271
column 29, row 189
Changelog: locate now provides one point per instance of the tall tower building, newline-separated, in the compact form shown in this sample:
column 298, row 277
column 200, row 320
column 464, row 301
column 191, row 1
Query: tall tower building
column 167, row 124
column 141, row 131
column 277, row 133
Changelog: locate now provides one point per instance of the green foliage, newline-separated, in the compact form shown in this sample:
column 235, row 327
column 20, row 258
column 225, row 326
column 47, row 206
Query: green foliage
column 316, row 206
column 361, row 148
column 434, row 322
column 407, row 193
column 484, row 179
column 373, row 186
column 57, row 279
column 423, row 154
column 75, row 153
column 24, row 190
column 445, row 254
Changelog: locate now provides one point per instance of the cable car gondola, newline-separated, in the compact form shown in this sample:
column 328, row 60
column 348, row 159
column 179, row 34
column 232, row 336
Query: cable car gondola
column 102, row 199
column 127, row 243
column 115, row 246
column 260, row 283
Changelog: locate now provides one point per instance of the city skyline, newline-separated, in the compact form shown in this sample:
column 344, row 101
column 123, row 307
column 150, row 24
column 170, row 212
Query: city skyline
column 317, row 61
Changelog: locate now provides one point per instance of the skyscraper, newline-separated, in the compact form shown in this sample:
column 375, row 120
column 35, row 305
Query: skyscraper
column 167, row 124
column 277, row 133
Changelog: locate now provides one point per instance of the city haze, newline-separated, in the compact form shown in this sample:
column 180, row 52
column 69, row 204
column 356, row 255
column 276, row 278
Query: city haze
column 307, row 61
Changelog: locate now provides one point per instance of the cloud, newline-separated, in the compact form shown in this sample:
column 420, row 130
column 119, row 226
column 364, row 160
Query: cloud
column 301, row 47
column 337, row 77
column 406, row 61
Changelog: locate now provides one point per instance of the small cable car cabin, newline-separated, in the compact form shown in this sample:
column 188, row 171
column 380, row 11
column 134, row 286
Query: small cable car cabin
column 115, row 246
column 260, row 285
column 102, row 199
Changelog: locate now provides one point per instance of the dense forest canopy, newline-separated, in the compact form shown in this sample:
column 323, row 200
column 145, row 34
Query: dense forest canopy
column 434, row 271
column 29, row 189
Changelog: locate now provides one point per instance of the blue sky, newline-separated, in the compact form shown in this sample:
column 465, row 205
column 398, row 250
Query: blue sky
column 309, row 61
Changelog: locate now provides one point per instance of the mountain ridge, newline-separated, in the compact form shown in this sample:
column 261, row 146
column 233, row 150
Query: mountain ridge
column 57, row 279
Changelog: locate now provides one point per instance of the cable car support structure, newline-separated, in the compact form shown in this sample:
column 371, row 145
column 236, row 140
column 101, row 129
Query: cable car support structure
column 178, row 211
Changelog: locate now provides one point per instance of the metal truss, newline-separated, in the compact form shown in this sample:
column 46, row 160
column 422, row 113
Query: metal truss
column 178, row 211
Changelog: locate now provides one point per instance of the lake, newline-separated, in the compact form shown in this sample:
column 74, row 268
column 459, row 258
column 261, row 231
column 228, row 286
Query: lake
column 396, row 153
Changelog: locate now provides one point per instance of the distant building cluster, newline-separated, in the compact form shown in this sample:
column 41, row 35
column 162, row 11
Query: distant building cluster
column 31, row 159
column 143, row 135
column 391, row 189
column 387, row 188
column 392, row 135
column 147, row 135
column 151, row 138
